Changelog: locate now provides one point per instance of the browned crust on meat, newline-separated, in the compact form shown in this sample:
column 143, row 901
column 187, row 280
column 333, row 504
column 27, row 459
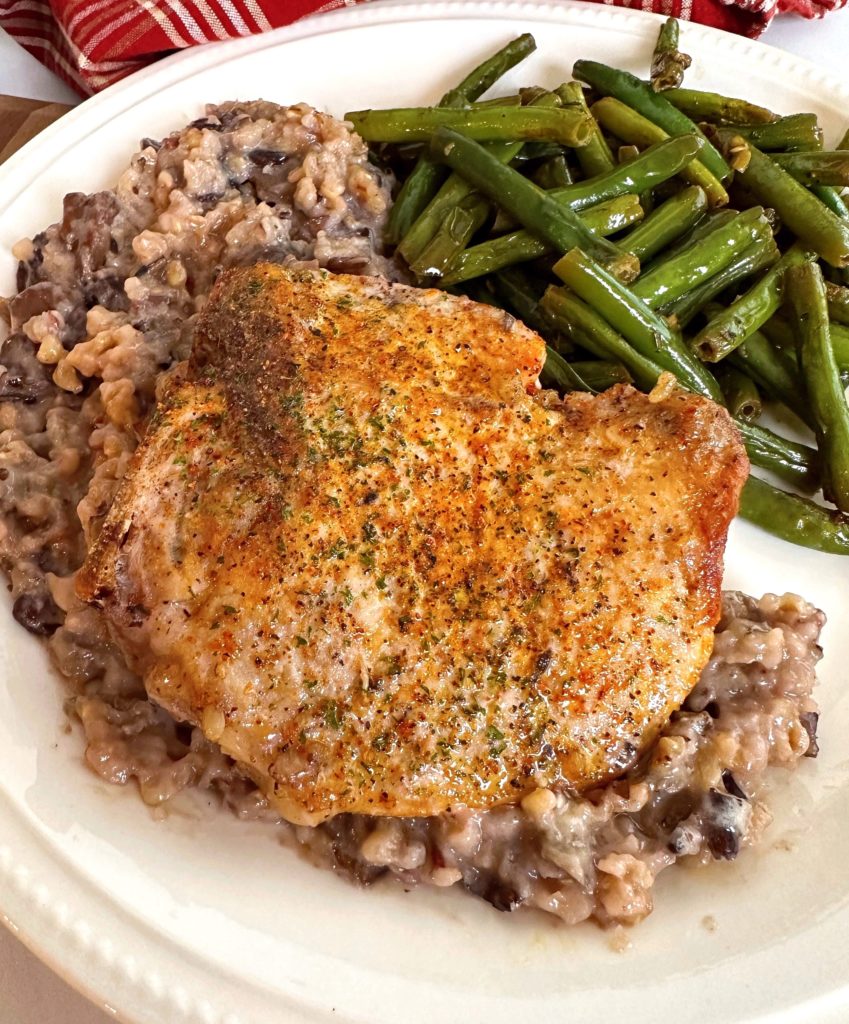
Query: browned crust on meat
column 364, row 553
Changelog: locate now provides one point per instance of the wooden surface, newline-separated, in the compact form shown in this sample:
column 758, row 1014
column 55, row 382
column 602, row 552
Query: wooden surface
column 22, row 119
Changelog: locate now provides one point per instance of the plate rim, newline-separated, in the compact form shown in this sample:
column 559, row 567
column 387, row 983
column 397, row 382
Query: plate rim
column 55, row 928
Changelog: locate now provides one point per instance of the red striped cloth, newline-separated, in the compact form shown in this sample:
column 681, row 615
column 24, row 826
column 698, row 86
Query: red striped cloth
column 92, row 43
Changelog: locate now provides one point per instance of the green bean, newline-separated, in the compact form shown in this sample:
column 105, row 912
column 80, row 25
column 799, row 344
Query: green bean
column 797, row 131
column 815, row 225
column 459, row 225
column 655, row 165
column 595, row 376
column 514, row 100
column 532, row 151
column 794, row 519
column 759, row 255
column 564, row 125
column 775, row 374
column 553, row 172
column 627, row 155
column 712, row 221
column 668, row 63
column 840, row 345
column 751, row 311
column 531, row 94
column 784, row 341
column 816, row 168
column 668, row 222
column 630, row 126
column 838, row 302
column 594, row 158
column 601, row 374
column 782, row 335
column 671, row 279
column 486, row 74
column 422, row 182
column 642, row 98
column 522, row 296
column 521, row 246
column 580, row 322
column 647, row 332
column 535, row 209
column 806, row 290
column 413, row 197
column 558, row 375
column 830, row 198
column 452, row 194
column 710, row 106
column 797, row 464
column 741, row 394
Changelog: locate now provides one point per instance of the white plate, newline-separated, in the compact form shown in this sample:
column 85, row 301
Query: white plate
column 210, row 920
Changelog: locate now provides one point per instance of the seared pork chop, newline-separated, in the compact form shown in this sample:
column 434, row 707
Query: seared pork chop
column 365, row 553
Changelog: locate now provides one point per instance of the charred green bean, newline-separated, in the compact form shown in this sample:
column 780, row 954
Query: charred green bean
column 668, row 63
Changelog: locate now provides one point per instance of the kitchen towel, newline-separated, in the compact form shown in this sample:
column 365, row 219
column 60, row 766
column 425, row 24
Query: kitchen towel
column 92, row 43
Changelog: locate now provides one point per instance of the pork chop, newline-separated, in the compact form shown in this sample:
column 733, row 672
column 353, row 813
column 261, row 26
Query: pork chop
column 367, row 556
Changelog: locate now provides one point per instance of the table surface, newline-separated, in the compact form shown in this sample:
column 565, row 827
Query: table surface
column 31, row 993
